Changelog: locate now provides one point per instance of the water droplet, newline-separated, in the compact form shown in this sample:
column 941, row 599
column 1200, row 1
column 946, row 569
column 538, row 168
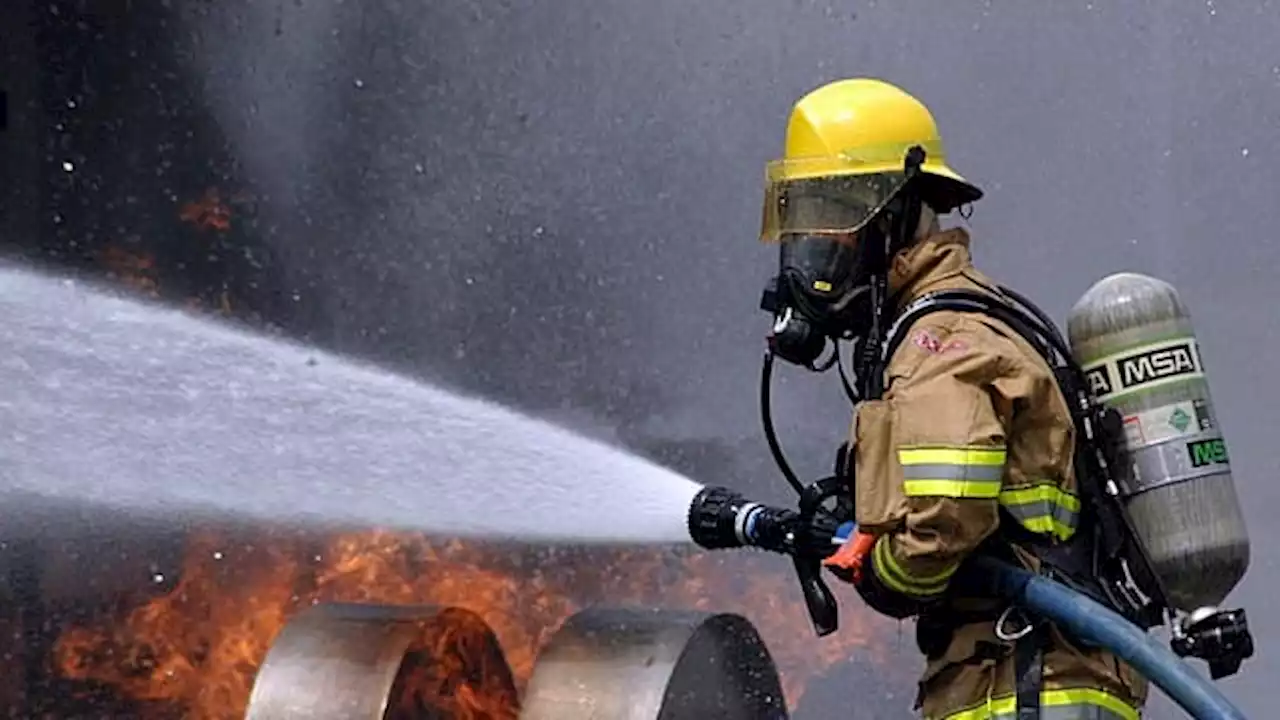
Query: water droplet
column 417, row 167
column 217, row 555
column 157, row 578
column 68, row 166
column 359, row 83
column 1244, row 152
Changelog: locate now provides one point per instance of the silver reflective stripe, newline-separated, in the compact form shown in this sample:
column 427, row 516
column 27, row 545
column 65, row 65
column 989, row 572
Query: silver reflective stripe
column 989, row 473
column 1032, row 513
column 1043, row 508
column 953, row 472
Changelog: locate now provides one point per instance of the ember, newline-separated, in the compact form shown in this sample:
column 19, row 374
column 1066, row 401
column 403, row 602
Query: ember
column 209, row 212
column 135, row 270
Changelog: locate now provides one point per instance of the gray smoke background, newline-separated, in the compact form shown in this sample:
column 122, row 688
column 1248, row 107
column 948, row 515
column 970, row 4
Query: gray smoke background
column 556, row 204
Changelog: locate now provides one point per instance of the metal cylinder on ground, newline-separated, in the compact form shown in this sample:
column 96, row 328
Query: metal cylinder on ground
column 1133, row 336
column 621, row 664
column 377, row 662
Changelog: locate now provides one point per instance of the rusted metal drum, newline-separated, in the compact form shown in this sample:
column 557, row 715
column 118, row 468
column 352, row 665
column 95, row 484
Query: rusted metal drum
column 619, row 664
column 375, row 662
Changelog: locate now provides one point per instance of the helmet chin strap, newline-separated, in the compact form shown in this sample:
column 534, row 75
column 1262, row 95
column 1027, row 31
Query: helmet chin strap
column 903, row 232
column 928, row 224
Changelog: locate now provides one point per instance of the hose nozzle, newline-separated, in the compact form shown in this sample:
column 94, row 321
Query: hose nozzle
column 721, row 518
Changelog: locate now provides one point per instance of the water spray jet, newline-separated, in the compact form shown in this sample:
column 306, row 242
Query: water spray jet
column 141, row 407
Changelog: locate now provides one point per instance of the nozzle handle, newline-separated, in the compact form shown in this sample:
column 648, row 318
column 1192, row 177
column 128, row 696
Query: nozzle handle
column 818, row 599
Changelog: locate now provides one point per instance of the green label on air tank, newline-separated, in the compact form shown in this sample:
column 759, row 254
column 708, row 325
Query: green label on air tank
column 1207, row 452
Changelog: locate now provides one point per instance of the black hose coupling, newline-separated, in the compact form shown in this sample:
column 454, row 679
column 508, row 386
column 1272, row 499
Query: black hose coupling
column 721, row 518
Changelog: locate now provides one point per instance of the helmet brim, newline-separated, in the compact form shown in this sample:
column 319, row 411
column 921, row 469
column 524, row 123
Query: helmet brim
column 945, row 189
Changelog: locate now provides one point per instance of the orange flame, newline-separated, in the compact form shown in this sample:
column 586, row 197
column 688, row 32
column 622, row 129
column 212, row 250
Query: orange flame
column 455, row 678
column 199, row 646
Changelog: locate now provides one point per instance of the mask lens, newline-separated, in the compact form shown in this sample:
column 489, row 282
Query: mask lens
column 826, row 264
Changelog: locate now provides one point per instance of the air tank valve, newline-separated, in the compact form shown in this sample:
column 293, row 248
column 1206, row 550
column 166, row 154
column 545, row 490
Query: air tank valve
column 1219, row 637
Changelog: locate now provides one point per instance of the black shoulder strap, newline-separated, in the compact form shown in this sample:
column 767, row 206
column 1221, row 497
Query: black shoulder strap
column 1120, row 564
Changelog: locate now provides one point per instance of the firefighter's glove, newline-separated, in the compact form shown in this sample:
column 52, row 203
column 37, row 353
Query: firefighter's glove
column 846, row 563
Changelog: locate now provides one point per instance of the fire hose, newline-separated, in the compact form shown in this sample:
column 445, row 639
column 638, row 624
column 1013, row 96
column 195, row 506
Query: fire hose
column 1096, row 624
column 722, row 518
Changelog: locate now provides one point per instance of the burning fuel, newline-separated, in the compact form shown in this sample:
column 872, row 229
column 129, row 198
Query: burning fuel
column 196, row 649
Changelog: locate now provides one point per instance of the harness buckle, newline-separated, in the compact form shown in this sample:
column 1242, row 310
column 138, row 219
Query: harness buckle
column 1027, row 625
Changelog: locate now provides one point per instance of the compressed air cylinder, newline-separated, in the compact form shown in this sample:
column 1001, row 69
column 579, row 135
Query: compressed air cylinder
column 1133, row 337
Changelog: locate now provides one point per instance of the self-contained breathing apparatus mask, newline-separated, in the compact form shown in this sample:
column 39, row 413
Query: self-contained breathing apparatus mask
column 835, row 236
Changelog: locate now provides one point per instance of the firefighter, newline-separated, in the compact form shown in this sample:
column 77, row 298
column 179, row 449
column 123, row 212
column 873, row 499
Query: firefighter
column 967, row 443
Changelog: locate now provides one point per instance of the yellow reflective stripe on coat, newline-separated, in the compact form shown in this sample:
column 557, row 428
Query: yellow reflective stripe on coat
column 1046, row 509
column 1075, row 704
column 955, row 472
column 898, row 579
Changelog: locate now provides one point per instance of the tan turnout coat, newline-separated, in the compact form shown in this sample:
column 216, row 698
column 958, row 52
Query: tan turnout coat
column 972, row 419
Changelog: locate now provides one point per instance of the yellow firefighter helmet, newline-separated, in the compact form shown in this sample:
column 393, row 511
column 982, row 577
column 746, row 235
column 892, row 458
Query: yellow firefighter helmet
column 845, row 159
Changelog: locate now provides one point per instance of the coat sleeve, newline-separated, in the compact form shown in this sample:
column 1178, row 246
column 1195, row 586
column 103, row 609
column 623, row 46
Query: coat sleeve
column 930, row 458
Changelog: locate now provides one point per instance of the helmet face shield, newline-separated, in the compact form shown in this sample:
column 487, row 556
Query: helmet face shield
column 823, row 196
column 838, row 205
column 820, row 224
